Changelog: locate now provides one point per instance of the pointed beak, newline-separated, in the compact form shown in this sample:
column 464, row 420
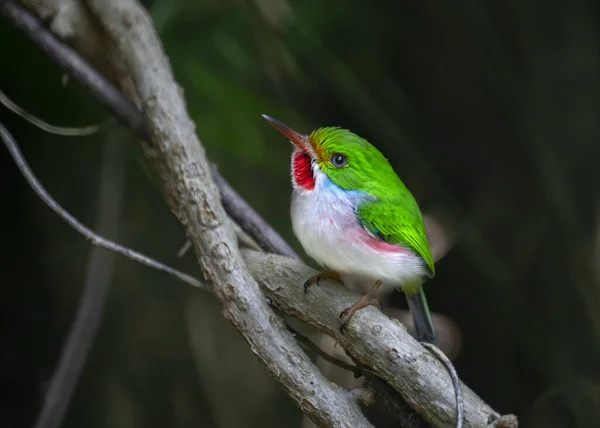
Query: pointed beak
column 299, row 140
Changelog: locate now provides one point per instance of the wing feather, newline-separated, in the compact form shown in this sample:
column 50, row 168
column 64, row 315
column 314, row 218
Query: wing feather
column 398, row 222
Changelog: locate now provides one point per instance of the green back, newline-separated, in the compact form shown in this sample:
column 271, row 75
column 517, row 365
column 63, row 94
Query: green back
column 392, row 214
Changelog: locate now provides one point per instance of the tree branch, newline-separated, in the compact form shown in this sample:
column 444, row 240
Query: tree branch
column 372, row 339
column 77, row 67
column 180, row 161
column 89, row 234
column 51, row 129
column 77, row 25
column 75, row 351
column 90, row 309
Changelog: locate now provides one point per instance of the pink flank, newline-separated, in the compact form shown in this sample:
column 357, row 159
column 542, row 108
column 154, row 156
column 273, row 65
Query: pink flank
column 361, row 235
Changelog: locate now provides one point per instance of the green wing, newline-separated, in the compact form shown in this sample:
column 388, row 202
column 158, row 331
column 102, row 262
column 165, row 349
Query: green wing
column 398, row 222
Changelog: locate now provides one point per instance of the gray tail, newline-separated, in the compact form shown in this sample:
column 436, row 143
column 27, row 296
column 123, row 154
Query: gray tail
column 421, row 317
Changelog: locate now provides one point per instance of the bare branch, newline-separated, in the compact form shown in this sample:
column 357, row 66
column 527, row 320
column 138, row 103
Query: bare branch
column 181, row 163
column 81, row 71
column 77, row 346
column 94, row 238
column 74, row 64
column 52, row 129
column 372, row 339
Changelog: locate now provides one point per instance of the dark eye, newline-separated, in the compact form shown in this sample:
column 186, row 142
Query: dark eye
column 339, row 161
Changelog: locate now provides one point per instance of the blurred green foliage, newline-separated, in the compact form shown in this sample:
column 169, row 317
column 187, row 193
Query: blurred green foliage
column 489, row 111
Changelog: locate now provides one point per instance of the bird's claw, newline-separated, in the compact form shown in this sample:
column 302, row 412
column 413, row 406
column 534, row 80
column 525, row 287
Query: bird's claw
column 344, row 322
column 345, row 317
column 347, row 314
column 318, row 277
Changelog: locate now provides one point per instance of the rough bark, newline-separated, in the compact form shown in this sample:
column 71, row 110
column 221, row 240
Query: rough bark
column 180, row 160
column 380, row 344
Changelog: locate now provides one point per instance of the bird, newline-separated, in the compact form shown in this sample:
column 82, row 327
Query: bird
column 354, row 216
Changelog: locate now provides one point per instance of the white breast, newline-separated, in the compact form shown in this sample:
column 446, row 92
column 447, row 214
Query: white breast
column 325, row 222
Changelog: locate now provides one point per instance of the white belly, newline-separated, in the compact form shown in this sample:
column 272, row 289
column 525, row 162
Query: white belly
column 325, row 222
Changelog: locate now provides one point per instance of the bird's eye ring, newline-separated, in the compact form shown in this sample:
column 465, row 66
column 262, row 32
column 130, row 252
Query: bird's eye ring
column 339, row 161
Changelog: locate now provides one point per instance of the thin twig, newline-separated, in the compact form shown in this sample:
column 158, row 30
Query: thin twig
column 460, row 404
column 91, row 306
column 184, row 248
column 94, row 238
column 52, row 129
column 74, row 65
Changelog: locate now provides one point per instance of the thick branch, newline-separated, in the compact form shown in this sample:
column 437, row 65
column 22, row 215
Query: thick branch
column 181, row 163
column 379, row 343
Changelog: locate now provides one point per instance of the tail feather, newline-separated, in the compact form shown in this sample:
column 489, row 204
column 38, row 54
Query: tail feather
column 421, row 316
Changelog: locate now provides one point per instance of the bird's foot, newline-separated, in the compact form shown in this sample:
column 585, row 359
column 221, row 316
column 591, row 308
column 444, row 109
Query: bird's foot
column 349, row 312
column 321, row 277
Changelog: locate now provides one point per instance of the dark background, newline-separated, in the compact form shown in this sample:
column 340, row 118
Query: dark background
column 487, row 110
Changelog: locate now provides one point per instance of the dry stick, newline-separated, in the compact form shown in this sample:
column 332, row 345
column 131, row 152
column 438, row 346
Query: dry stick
column 252, row 223
column 84, row 230
column 78, row 68
column 73, row 64
column 52, row 129
column 91, row 305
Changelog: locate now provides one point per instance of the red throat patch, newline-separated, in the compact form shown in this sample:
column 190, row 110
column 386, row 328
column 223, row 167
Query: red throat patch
column 303, row 174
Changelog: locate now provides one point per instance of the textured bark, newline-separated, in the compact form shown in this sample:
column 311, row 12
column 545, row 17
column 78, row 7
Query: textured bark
column 371, row 338
column 181, row 162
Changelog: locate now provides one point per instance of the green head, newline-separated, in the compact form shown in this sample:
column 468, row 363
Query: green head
column 350, row 162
